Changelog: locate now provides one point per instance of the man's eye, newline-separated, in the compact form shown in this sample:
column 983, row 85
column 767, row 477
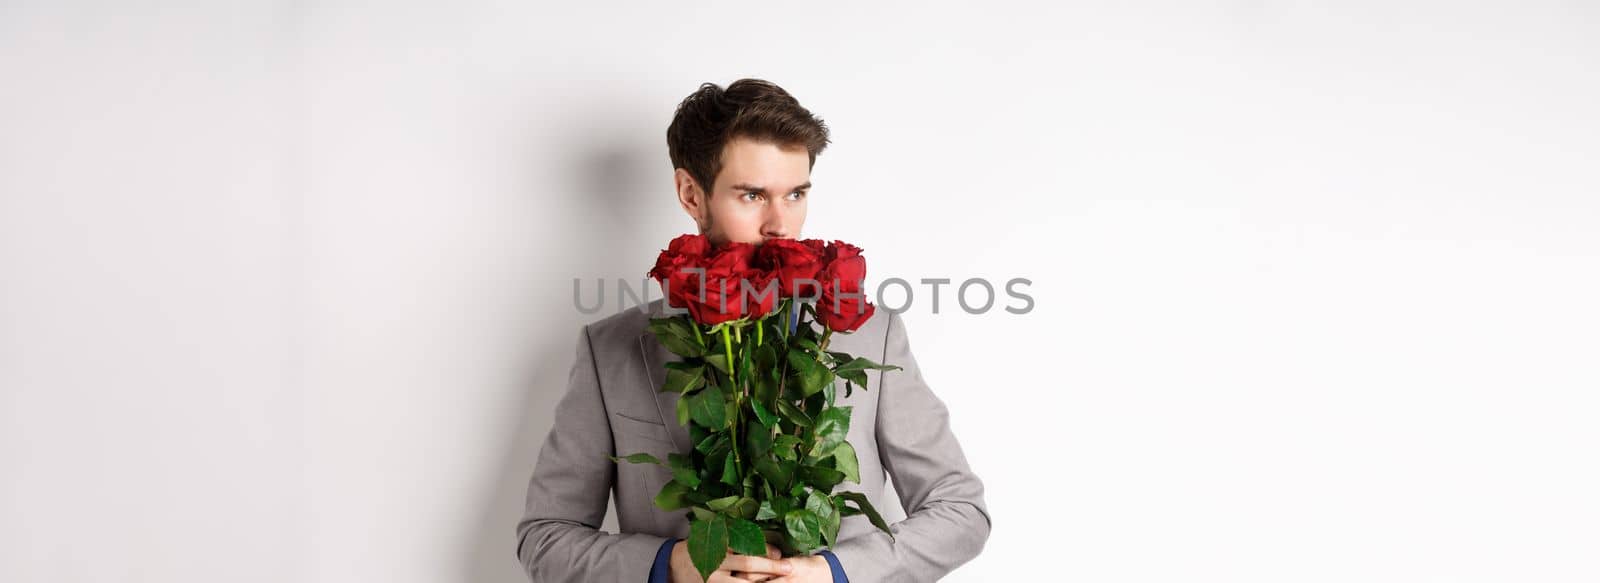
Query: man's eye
column 753, row 193
column 798, row 194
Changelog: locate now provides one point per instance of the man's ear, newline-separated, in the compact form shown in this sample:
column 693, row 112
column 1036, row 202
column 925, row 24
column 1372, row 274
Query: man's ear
column 691, row 197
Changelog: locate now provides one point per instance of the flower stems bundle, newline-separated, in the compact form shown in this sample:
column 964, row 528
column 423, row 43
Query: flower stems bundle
column 757, row 388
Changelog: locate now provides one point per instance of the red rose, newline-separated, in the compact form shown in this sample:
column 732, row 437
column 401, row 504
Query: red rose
column 794, row 263
column 843, row 307
column 722, row 285
column 837, row 250
column 675, row 269
column 686, row 250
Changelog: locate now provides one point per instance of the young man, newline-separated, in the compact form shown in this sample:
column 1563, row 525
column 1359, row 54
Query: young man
column 743, row 157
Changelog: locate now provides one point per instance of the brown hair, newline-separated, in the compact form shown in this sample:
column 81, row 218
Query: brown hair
column 749, row 108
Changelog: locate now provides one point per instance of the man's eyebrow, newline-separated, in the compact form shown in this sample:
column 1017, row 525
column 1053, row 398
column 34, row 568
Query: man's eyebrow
column 744, row 187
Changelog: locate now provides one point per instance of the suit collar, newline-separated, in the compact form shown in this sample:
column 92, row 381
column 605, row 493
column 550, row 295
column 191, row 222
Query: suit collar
column 655, row 356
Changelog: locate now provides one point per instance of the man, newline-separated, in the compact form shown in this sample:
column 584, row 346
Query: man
column 743, row 158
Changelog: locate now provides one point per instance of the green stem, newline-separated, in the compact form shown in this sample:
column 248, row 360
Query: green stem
column 727, row 346
column 783, row 329
column 738, row 465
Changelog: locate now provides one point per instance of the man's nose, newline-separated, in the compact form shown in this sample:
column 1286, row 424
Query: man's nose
column 775, row 225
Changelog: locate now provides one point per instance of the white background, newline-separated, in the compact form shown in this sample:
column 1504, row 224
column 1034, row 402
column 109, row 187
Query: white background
column 285, row 288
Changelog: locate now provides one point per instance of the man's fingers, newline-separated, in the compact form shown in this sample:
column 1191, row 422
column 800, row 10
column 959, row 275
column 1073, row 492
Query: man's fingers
column 749, row 564
column 772, row 553
column 752, row 577
column 737, row 568
column 720, row 576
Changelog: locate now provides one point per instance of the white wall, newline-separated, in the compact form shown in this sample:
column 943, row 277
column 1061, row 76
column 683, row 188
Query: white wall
column 285, row 287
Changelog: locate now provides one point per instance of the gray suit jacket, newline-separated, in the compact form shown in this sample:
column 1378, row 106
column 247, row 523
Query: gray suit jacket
column 612, row 407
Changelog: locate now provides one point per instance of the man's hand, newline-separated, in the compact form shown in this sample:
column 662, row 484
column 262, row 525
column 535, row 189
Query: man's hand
column 807, row 569
column 772, row 553
column 735, row 568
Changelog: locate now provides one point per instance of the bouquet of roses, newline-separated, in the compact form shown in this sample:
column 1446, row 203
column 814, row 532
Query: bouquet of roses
column 757, row 385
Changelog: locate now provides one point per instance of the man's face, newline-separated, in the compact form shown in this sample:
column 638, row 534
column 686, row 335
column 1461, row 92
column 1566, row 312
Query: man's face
column 760, row 194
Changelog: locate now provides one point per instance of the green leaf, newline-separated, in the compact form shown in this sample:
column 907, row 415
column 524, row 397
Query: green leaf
column 866, row 508
column 813, row 376
column 748, row 484
column 745, row 538
column 779, row 473
column 784, row 446
column 746, row 508
column 683, row 469
column 820, row 477
column 708, row 408
column 859, row 363
column 766, row 357
column 735, row 506
column 683, row 378
column 723, row 503
column 766, row 511
column 858, row 377
column 758, row 438
column 680, row 346
column 814, row 405
column 711, row 442
column 676, row 334
column 793, row 413
column 744, row 355
column 767, row 417
column 694, row 498
column 832, row 427
column 783, row 505
column 683, row 410
column 671, row 496
column 822, row 506
column 844, row 459
column 765, row 388
column 708, row 544
column 719, row 361
column 702, row 513
column 637, row 458
column 730, row 471
column 818, row 503
column 805, row 527
column 713, row 464
column 830, row 527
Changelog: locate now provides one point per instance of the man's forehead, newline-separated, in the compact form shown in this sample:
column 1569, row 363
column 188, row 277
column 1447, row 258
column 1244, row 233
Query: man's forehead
column 764, row 165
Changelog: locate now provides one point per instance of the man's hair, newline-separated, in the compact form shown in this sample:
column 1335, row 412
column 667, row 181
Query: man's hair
column 749, row 108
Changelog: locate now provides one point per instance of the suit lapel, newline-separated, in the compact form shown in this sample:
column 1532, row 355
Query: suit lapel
column 655, row 356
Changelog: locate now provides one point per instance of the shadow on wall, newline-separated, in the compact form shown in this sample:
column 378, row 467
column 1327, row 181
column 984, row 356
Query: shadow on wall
column 620, row 194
